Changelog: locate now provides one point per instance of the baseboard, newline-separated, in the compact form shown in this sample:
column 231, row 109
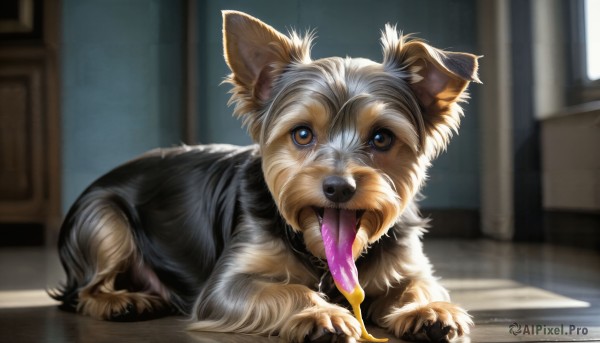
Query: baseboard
column 21, row 235
column 453, row 223
column 576, row 229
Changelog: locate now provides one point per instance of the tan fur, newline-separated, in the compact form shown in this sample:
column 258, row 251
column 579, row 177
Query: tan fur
column 271, row 260
column 398, row 264
column 114, row 252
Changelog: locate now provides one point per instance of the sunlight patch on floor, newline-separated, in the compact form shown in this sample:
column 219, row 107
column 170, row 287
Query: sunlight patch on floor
column 472, row 294
column 26, row 298
column 504, row 294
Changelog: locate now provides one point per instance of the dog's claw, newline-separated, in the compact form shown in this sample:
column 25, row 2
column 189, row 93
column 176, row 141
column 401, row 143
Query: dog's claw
column 436, row 333
column 324, row 335
column 320, row 336
column 129, row 314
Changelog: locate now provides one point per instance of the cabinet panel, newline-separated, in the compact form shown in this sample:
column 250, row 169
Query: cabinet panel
column 29, row 117
column 22, row 168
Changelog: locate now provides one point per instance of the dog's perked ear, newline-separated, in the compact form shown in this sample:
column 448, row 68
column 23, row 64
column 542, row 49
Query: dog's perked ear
column 438, row 79
column 257, row 54
column 252, row 50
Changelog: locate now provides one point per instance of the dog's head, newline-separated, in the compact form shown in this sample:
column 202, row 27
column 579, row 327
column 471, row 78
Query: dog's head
column 345, row 142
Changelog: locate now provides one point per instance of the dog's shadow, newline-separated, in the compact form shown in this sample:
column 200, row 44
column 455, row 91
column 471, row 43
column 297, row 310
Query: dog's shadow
column 213, row 337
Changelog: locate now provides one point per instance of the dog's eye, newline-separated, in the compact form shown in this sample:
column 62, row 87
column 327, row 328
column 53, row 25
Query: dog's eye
column 302, row 136
column 382, row 140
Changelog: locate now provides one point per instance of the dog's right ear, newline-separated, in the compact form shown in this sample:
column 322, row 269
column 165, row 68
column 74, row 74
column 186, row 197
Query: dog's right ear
column 257, row 54
column 252, row 51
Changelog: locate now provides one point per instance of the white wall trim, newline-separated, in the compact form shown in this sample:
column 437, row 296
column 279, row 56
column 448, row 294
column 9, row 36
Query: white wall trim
column 497, row 208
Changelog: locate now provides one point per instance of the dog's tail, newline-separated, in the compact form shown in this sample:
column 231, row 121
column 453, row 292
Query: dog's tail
column 98, row 215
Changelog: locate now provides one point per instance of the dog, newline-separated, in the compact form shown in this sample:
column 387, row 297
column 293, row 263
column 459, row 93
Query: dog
column 280, row 237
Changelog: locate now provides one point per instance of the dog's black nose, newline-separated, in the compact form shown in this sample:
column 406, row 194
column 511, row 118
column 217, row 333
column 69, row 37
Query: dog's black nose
column 339, row 189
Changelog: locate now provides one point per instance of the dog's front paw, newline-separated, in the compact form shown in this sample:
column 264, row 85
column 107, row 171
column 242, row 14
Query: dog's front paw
column 319, row 324
column 434, row 322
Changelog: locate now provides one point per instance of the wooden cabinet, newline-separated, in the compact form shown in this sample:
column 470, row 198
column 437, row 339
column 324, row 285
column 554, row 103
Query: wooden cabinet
column 29, row 113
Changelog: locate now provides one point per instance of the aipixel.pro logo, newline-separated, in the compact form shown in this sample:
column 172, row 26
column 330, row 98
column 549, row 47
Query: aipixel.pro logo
column 547, row 330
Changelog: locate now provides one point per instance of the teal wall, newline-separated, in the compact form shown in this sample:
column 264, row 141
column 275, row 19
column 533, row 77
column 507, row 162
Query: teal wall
column 121, row 84
column 122, row 76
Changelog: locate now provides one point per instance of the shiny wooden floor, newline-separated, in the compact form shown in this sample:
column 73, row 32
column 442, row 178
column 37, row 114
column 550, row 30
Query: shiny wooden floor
column 516, row 293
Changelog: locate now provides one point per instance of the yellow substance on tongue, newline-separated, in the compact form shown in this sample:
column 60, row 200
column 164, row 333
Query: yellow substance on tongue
column 355, row 299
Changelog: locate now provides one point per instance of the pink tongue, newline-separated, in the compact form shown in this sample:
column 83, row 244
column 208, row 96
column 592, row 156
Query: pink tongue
column 338, row 231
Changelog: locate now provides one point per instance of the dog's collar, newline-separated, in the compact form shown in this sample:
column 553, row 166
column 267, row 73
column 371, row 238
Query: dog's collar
column 296, row 243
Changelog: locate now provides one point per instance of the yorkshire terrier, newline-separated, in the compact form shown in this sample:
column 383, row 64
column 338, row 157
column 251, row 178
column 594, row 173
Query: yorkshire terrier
column 280, row 237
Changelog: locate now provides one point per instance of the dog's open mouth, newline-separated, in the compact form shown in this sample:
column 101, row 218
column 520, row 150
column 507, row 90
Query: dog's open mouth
column 320, row 212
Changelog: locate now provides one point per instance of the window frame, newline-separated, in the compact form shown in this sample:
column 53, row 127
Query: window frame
column 580, row 89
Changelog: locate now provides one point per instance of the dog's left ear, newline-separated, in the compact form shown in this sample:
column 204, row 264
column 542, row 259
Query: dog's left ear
column 437, row 78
